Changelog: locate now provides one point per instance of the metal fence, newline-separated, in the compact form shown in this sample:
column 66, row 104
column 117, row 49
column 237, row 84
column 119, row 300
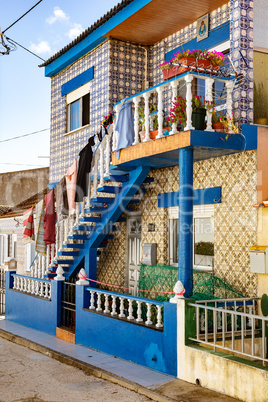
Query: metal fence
column 2, row 291
column 233, row 326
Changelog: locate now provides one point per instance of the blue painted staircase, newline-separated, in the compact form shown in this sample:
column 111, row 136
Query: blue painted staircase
column 95, row 229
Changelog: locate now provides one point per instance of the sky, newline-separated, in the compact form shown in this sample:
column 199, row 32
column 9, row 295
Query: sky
column 24, row 89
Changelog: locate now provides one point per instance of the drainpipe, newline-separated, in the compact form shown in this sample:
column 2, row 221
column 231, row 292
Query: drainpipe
column 145, row 84
column 185, row 264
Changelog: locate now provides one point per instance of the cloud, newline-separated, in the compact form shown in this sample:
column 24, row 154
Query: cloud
column 41, row 48
column 58, row 15
column 75, row 31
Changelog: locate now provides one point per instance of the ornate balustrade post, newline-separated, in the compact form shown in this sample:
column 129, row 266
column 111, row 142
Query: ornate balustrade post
column 188, row 80
column 174, row 87
column 209, row 97
column 229, row 104
column 115, row 133
column 146, row 96
column 160, row 112
column 101, row 184
column 136, row 102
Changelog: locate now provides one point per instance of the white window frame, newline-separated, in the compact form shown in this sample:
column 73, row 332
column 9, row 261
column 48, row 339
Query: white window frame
column 200, row 211
column 74, row 96
column 3, row 248
column 223, row 47
column 14, row 241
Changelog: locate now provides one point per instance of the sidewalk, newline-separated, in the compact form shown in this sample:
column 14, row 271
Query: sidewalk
column 157, row 386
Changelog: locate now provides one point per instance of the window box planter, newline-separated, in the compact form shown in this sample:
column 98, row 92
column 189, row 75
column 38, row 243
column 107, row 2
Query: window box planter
column 188, row 62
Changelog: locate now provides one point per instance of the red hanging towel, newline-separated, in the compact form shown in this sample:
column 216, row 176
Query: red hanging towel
column 28, row 224
column 50, row 219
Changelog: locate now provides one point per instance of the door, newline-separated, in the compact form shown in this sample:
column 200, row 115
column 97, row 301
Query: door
column 134, row 253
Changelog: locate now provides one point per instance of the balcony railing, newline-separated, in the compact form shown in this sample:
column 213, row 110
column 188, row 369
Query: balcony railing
column 231, row 325
column 173, row 85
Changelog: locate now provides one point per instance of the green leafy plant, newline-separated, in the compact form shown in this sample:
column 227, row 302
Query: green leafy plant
column 204, row 248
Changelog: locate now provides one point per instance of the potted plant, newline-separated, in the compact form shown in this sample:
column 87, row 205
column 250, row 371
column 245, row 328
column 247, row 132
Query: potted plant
column 182, row 61
column 177, row 112
column 153, row 123
column 216, row 121
column 198, row 113
column 107, row 120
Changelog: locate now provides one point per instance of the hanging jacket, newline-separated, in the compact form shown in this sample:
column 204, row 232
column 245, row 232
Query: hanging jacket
column 84, row 168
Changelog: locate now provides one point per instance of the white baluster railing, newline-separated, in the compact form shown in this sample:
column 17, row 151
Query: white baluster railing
column 172, row 85
column 32, row 286
column 123, row 307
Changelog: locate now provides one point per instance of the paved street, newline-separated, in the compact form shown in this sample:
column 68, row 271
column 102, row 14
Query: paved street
column 30, row 376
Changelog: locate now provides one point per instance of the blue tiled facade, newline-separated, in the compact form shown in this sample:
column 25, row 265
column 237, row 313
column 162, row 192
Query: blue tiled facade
column 119, row 71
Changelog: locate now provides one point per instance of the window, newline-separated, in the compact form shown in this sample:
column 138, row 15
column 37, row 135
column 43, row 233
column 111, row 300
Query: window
column 3, row 248
column 78, row 113
column 203, row 238
column 29, row 254
column 78, row 108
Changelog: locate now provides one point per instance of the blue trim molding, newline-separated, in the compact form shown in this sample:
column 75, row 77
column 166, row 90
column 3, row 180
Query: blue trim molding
column 216, row 37
column 78, row 81
column 200, row 197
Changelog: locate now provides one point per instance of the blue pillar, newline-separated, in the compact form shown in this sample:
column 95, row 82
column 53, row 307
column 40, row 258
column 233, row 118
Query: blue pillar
column 186, row 219
column 91, row 265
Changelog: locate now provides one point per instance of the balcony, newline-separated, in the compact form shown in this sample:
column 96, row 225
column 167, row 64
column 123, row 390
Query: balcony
column 163, row 151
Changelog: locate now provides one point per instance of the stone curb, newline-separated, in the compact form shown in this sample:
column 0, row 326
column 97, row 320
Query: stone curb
column 85, row 367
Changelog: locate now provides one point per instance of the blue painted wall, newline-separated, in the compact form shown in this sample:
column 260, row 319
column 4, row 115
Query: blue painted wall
column 31, row 311
column 215, row 37
column 147, row 347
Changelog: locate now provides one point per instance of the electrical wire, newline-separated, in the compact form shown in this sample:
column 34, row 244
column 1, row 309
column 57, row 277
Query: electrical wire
column 25, row 48
column 24, row 135
column 21, row 16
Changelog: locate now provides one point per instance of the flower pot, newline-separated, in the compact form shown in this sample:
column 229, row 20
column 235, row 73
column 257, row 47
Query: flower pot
column 198, row 118
column 218, row 127
column 152, row 134
column 188, row 62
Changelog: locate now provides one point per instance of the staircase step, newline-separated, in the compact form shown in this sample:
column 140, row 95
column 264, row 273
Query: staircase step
column 109, row 189
column 134, row 201
column 115, row 228
column 82, row 228
column 116, row 170
column 66, row 261
column 53, row 268
column 119, row 178
column 121, row 219
column 97, row 210
column 109, row 237
column 69, row 253
column 103, row 200
column 149, row 180
column 95, row 219
column 50, row 276
column 80, row 237
column 105, row 241
column 102, row 245
column 73, row 245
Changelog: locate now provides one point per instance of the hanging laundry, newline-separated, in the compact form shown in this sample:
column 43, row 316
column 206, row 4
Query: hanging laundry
column 28, row 224
column 125, row 127
column 50, row 219
column 84, row 168
column 71, row 178
column 62, row 207
column 40, row 245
